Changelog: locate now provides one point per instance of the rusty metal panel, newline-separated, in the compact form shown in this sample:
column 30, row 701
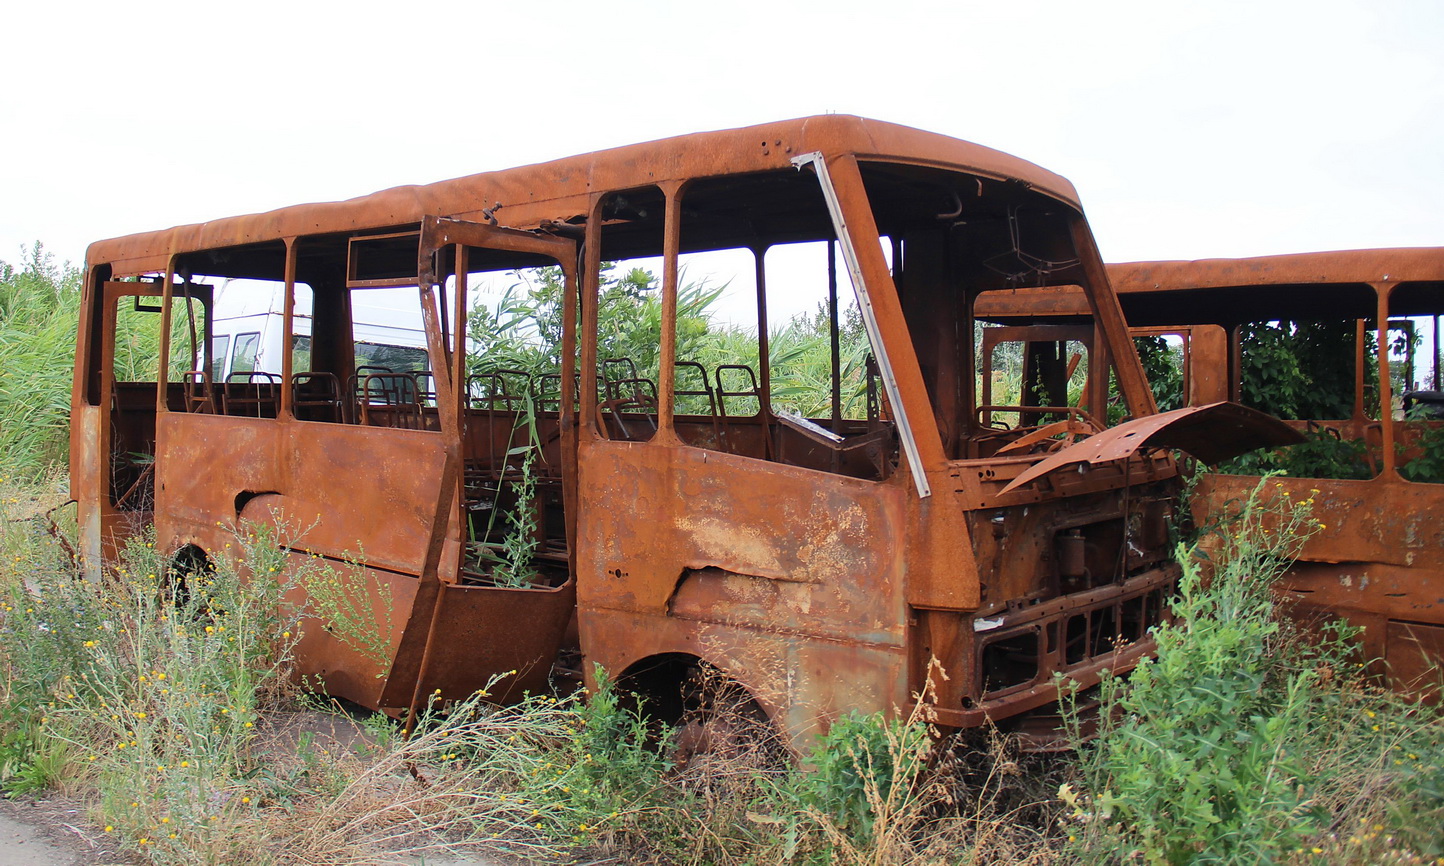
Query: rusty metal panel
column 340, row 487
column 1374, row 562
column 1396, row 523
column 339, row 667
column 500, row 638
column 834, row 537
column 1400, row 264
column 1207, row 365
column 1414, row 651
column 802, row 683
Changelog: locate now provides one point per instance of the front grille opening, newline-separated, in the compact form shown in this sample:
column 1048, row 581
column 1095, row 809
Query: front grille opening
column 1102, row 630
column 1075, row 642
column 1010, row 661
column 1105, row 629
column 1153, row 609
column 1089, row 556
column 1134, row 618
column 1104, row 551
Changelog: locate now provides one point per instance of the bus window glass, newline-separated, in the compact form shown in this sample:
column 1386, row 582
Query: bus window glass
column 220, row 347
column 300, row 353
column 244, row 360
column 397, row 359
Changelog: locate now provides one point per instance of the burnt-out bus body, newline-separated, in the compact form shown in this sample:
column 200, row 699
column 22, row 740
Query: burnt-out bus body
column 686, row 513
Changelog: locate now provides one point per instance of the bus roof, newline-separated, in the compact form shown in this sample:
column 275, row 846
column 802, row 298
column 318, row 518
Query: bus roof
column 1396, row 265
column 560, row 189
column 1300, row 286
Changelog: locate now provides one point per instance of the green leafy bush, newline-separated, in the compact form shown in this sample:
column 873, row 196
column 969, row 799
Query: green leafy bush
column 1163, row 367
column 1322, row 454
column 1427, row 465
column 1301, row 370
column 861, row 769
column 1241, row 743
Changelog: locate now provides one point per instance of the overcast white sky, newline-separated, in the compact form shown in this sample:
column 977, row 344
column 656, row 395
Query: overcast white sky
column 1191, row 130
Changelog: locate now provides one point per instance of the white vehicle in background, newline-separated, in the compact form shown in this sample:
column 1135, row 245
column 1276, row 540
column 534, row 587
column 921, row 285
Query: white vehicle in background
column 248, row 329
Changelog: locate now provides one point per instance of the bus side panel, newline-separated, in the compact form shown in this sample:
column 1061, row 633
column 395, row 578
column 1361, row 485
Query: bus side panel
column 801, row 681
column 728, row 559
column 364, row 492
column 353, row 667
column 1379, row 520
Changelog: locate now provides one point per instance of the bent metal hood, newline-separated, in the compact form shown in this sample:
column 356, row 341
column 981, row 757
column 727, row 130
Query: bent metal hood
column 1212, row 433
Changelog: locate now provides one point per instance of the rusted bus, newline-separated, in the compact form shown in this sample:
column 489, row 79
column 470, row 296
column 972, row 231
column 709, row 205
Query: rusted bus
column 822, row 555
column 1377, row 559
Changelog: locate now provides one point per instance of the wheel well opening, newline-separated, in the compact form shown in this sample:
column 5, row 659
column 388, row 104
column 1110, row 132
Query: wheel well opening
column 674, row 687
column 188, row 564
column 660, row 684
column 713, row 716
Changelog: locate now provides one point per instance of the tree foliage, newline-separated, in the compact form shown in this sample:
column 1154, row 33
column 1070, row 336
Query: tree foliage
column 1300, row 370
column 1163, row 365
column 522, row 331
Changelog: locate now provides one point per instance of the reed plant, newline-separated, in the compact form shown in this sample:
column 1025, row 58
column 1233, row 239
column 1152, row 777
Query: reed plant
column 39, row 313
column 39, row 304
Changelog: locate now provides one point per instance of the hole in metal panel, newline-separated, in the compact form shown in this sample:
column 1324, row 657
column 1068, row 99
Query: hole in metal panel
column 1010, row 661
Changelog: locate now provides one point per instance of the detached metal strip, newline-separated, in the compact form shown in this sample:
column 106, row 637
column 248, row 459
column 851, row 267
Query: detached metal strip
column 869, row 318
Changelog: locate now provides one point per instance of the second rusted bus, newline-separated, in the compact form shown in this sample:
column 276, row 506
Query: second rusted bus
column 1364, row 327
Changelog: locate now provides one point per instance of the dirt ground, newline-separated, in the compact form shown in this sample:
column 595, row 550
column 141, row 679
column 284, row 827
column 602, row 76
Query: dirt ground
column 55, row 833
column 52, row 833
